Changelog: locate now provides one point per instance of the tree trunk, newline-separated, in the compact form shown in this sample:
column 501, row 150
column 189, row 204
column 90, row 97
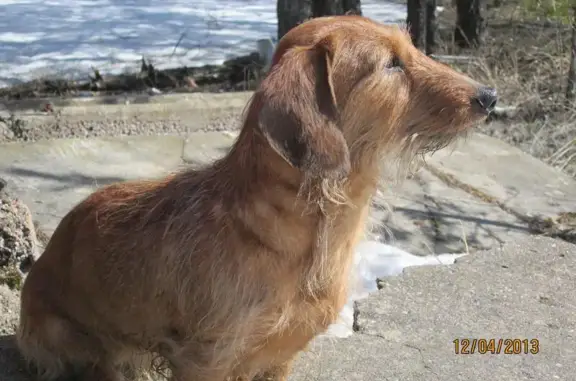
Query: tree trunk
column 327, row 8
column 571, row 85
column 291, row 13
column 352, row 7
column 335, row 7
column 416, row 20
column 469, row 23
column 430, row 26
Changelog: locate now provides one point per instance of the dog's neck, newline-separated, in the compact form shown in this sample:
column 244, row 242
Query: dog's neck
column 260, row 165
column 258, row 168
column 267, row 190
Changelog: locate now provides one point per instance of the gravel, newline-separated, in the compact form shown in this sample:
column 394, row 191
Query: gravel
column 13, row 131
column 9, row 307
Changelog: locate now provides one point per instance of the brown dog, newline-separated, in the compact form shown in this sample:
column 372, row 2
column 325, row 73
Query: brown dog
column 227, row 272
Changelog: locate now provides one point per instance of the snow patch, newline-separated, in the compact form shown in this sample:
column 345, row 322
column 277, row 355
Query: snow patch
column 376, row 260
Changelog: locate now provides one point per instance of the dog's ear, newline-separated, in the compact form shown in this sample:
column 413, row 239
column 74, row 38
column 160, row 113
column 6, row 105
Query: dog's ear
column 299, row 114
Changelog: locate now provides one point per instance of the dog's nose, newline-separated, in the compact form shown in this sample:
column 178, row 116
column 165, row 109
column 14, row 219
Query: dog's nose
column 486, row 98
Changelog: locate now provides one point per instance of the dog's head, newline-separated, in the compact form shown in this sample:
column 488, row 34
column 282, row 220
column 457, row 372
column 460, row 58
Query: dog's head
column 344, row 89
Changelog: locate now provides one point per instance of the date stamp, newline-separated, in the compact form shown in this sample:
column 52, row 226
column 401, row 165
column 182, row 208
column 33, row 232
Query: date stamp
column 496, row 346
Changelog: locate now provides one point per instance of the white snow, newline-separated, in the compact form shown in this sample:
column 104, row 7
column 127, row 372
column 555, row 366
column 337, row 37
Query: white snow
column 376, row 260
column 68, row 37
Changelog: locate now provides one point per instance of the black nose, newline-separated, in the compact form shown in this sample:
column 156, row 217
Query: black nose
column 486, row 98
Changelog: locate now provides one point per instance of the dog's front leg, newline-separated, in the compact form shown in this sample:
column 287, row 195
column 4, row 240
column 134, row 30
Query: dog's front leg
column 275, row 373
column 201, row 362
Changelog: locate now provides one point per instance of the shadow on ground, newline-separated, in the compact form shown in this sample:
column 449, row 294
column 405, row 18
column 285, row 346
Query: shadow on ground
column 446, row 227
column 67, row 180
column 12, row 367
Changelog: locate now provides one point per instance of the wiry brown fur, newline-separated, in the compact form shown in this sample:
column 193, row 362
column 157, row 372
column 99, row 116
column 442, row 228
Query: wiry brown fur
column 229, row 271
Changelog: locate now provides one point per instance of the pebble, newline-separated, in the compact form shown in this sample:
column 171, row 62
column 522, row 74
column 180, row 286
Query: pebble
column 100, row 128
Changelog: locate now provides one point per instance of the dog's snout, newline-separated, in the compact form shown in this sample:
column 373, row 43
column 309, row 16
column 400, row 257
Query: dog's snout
column 485, row 98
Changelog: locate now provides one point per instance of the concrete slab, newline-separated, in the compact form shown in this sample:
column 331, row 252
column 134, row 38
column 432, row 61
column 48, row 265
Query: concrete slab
column 52, row 176
column 134, row 103
column 523, row 291
column 203, row 148
column 431, row 217
column 509, row 175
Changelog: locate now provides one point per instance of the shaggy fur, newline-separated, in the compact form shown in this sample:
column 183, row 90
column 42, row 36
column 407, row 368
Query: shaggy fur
column 227, row 272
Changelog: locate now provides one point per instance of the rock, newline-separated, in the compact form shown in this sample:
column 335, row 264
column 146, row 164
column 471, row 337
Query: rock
column 18, row 241
column 9, row 307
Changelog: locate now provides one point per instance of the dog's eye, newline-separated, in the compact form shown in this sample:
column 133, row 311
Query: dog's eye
column 395, row 64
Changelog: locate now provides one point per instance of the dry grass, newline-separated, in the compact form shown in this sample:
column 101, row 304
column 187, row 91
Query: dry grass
column 526, row 56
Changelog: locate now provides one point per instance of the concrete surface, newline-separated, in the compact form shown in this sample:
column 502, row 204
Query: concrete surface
column 469, row 198
column 524, row 290
column 134, row 103
column 52, row 176
column 431, row 215
column 492, row 166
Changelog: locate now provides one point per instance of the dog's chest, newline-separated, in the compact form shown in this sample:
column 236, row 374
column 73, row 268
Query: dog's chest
column 297, row 324
column 322, row 295
column 307, row 308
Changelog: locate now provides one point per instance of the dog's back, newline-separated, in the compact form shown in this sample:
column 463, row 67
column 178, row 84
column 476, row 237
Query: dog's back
column 151, row 265
column 93, row 249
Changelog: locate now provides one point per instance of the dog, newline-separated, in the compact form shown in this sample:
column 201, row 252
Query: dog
column 227, row 272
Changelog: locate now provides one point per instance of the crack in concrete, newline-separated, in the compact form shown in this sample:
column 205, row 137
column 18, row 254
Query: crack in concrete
column 407, row 345
column 356, row 314
column 537, row 225
column 432, row 217
column 426, row 366
column 183, row 151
